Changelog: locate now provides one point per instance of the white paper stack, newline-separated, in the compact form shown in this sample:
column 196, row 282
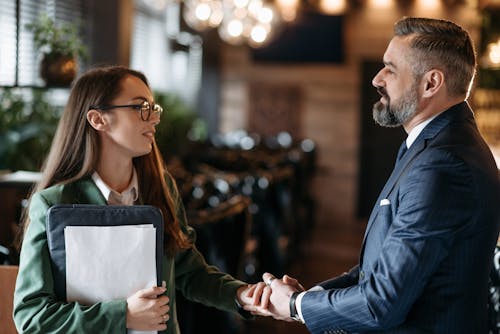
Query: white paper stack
column 109, row 262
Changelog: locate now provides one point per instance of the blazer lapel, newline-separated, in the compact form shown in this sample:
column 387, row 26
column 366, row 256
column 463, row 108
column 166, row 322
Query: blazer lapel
column 86, row 192
column 401, row 166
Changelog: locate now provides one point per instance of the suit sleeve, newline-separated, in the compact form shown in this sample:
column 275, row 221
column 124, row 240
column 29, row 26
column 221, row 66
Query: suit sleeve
column 436, row 202
column 36, row 308
column 197, row 280
column 343, row 281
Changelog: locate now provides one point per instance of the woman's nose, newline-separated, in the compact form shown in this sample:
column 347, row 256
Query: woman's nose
column 154, row 119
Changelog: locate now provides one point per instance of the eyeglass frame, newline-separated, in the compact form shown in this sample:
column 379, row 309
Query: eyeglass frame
column 153, row 108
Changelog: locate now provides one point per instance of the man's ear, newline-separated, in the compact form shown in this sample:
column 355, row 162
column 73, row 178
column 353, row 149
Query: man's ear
column 433, row 81
column 96, row 120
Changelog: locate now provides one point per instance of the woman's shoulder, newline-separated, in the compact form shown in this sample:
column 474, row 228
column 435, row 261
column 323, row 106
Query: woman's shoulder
column 61, row 192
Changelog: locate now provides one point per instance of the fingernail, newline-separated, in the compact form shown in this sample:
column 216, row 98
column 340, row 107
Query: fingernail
column 164, row 284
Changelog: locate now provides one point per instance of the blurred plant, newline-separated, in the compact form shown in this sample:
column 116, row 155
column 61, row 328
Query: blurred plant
column 57, row 40
column 178, row 127
column 26, row 129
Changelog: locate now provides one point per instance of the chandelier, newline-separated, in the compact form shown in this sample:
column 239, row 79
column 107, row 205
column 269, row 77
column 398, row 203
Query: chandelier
column 252, row 22
column 237, row 21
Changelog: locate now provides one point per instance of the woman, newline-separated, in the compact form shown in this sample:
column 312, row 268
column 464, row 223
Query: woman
column 104, row 152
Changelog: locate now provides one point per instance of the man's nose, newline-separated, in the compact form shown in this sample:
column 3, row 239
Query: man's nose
column 377, row 80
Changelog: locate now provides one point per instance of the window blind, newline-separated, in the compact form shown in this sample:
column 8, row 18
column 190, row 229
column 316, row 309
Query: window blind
column 19, row 60
column 168, row 70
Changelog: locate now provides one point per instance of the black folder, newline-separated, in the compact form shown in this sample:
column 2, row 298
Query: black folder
column 60, row 216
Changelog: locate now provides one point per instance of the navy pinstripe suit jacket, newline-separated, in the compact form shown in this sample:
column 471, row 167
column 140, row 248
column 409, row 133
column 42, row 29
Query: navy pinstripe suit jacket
column 426, row 255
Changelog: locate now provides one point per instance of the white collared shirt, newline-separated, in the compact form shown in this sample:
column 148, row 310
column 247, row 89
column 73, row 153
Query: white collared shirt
column 126, row 197
column 412, row 136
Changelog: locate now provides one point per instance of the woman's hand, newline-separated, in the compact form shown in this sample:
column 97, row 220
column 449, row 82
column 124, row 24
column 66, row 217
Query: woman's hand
column 254, row 294
column 147, row 310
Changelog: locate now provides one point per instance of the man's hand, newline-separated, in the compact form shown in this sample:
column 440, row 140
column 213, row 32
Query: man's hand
column 147, row 310
column 282, row 289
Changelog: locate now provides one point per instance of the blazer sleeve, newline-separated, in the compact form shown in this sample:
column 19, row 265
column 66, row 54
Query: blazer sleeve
column 343, row 281
column 197, row 280
column 436, row 205
column 36, row 309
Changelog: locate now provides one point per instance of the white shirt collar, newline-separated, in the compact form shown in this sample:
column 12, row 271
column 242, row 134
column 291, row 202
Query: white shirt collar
column 412, row 136
column 126, row 197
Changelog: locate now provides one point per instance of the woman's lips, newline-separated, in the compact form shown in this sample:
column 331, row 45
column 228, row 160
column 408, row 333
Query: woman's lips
column 149, row 134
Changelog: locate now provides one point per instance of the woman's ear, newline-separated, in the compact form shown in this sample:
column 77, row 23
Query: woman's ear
column 96, row 120
column 433, row 82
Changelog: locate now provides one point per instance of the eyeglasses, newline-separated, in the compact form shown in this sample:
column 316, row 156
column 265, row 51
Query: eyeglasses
column 146, row 109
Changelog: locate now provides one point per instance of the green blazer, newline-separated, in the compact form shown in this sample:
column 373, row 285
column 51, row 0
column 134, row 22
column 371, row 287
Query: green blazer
column 36, row 309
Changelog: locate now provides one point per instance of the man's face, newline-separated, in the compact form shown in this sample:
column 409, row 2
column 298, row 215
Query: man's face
column 397, row 85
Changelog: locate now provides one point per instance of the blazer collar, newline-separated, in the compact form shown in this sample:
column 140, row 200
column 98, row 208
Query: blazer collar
column 87, row 192
column 458, row 111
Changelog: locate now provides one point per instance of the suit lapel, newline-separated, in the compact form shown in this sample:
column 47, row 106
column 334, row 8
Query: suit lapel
column 86, row 192
column 461, row 110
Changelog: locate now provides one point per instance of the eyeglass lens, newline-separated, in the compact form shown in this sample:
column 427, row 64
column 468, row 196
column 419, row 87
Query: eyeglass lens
column 147, row 108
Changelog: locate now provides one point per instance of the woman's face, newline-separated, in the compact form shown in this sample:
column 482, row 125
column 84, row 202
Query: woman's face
column 126, row 133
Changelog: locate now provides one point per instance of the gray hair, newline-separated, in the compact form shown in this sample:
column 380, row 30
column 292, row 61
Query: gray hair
column 441, row 45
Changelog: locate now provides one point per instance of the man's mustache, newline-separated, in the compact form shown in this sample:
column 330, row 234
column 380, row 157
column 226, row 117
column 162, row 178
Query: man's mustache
column 382, row 92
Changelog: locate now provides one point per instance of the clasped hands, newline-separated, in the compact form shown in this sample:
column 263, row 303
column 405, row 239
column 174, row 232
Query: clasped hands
column 271, row 298
column 148, row 308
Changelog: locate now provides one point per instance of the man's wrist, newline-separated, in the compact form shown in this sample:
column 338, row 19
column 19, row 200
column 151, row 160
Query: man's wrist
column 293, row 308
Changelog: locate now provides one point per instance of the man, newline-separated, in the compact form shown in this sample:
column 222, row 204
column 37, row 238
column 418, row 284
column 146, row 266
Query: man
column 426, row 255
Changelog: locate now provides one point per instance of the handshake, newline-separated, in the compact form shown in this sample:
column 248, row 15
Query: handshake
column 273, row 297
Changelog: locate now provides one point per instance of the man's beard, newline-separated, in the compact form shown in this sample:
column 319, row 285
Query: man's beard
column 399, row 112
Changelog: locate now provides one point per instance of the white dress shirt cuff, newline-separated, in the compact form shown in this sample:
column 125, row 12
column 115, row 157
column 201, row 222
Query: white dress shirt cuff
column 298, row 302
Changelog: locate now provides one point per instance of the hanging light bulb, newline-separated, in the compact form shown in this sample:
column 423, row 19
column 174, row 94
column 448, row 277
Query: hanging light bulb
column 288, row 9
column 231, row 32
column 237, row 20
column 203, row 14
column 235, row 28
column 332, row 7
column 265, row 15
column 202, row 11
column 258, row 35
column 491, row 58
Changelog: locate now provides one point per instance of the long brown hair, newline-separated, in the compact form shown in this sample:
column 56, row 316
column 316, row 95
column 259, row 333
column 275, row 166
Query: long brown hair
column 75, row 149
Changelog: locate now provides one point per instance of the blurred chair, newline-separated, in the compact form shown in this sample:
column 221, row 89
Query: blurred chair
column 8, row 276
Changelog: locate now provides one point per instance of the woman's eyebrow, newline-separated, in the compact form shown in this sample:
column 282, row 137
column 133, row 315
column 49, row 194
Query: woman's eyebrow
column 139, row 98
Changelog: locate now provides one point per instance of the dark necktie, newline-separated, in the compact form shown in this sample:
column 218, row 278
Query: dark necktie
column 402, row 150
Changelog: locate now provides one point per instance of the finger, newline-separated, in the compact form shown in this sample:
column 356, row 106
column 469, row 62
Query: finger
column 268, row 278
column 250, row 291
column 163, row 300
column 259, row 288
column 160, row 327
column 160, row 319
column 256, row 310
column 148, row 292
column 266, row 295
column 164, row 309
column 292, row 281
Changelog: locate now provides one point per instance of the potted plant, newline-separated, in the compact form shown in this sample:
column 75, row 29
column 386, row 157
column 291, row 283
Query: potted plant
column 27, row 124
column 61, row 46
